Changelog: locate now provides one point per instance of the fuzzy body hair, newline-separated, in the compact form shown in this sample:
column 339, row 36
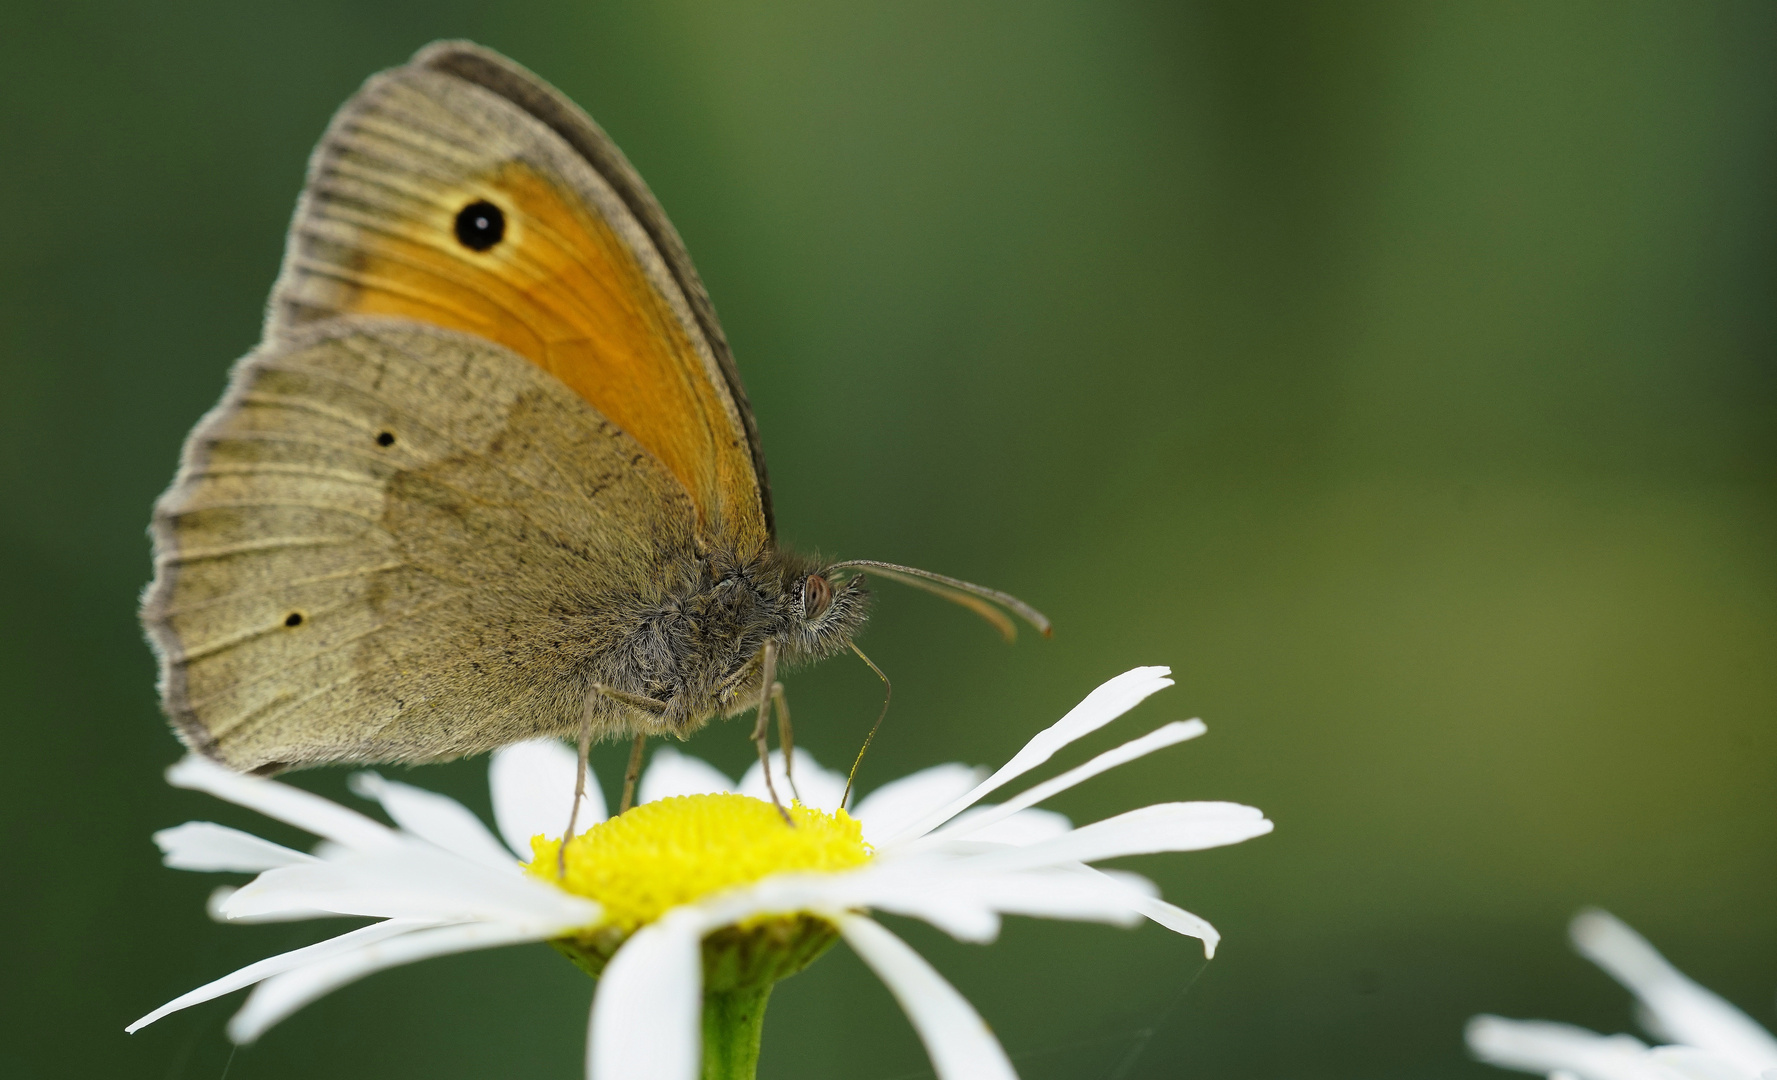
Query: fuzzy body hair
column 696, row 648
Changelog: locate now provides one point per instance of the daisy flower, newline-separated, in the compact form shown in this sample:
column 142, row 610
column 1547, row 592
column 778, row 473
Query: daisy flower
column 689, row 907
column 1706, row 1037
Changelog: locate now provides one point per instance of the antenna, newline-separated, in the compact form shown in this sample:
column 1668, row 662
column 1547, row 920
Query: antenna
column 977, row 598
column 888, row 691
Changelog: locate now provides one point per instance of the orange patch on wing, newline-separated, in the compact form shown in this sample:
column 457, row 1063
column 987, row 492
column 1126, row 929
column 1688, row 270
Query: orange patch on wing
column 564, row 291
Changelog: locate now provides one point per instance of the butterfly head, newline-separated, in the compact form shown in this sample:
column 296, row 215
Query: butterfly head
column 825, row 610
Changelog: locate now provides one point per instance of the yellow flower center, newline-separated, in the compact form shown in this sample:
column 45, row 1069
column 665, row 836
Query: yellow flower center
column 675, row 851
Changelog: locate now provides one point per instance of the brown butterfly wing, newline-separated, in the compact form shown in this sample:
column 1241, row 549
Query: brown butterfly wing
column 589, row 281
column 391, row 542
column 565, row 425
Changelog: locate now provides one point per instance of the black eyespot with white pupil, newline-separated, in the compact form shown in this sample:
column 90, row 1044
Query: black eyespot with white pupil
column 817, row 596
column 480, row 225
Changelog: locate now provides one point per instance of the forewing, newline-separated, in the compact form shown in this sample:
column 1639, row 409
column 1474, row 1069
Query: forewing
column 588, row 281
column 391, row 542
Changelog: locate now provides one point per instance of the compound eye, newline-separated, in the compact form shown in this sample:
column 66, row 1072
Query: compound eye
column 817, row 595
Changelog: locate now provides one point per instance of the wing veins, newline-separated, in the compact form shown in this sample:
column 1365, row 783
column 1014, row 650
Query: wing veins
column 291, row 703
column 273, row 543
column 313, row 579
column 194, row 507
column 277, row 468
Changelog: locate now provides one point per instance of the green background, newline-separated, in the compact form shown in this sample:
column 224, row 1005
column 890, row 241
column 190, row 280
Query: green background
column 1401, row 374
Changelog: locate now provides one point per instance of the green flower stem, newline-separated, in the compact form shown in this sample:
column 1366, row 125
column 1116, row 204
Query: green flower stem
column 733, row 1021
column 740, row 966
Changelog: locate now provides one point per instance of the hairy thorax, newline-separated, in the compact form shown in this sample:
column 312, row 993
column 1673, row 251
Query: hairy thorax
column 696, row 648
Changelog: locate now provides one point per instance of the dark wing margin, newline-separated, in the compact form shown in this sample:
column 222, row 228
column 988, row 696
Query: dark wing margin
column 495, row 73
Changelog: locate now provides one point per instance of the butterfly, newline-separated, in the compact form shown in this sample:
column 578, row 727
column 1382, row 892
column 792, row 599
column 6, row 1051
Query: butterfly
column 490, row 474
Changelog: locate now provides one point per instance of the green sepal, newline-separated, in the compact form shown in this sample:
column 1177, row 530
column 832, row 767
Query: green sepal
column 740, row 966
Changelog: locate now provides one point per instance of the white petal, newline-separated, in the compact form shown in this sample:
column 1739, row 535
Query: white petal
column 950, row 895
column 1045, row 894
column 1144, row 902
column 646, row 1014
column 962, row 914
column 1024, row 827
column 216, row 903
column 672, row 773
column 413, row 880
column 437, row 818
column 895, row 805
column 1691, row 1063
column 532, row 784
column 1130, row 882
column 959, row 1042
column 1538, row 1046
column 943, row 891
column 1180, row 921
column 275, row 965
column 814, row 786
column 327, row 849
column 1164, row 736
column 915, row 887
column 281, row 995
column 1186, row 826
column 905, row 889
column 1099, row 708
column 1683, row 1011
column 205, row 845
column 294, row 806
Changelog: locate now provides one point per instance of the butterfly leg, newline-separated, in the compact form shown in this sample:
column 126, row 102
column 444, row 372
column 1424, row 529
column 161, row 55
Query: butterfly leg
column 634, row 701
column 632, row 773
column 888, row 691
column 761, row 725
column 641, row 704
column 786, row 737
column 561, row 853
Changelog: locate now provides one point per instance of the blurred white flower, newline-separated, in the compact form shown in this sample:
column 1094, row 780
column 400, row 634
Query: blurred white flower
column 645, row 894
column 1708, row 1038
